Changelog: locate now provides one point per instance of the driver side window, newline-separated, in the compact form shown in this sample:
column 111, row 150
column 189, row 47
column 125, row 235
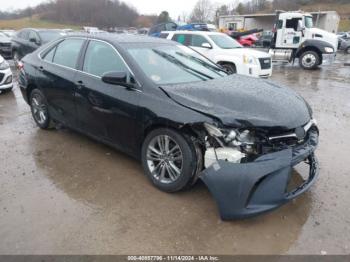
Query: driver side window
column 101, row 58
column 198, row 41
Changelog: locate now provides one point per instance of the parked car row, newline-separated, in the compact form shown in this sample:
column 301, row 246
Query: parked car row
column 179, row 113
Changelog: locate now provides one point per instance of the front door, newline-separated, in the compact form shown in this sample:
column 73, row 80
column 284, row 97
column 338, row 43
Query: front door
column 292, row 36
column 104, row 110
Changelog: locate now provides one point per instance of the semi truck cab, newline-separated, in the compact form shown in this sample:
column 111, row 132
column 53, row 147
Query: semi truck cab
column 296, row 37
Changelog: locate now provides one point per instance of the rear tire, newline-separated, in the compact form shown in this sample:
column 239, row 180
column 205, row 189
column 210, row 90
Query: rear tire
column 309, row 60
column 40, row 111
column 169, row 160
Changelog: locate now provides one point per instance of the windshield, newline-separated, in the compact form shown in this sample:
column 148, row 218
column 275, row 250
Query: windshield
column 170, row 64
column 225, row 42
column 308, row 22
column 48, row 36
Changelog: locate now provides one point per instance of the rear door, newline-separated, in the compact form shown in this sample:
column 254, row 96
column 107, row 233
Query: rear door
column 106, row 111
column 56, row 75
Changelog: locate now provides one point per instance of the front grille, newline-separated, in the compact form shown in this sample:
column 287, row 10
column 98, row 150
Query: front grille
column 1, row 77
column 287, row 142
column 265, row 63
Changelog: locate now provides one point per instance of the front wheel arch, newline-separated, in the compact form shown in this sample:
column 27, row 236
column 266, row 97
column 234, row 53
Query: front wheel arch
column 231, row 64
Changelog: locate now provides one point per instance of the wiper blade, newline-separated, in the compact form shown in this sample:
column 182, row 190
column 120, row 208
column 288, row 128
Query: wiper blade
column 174, row 60
column 193, row 58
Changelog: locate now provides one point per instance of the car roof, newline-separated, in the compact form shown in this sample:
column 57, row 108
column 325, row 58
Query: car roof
column 123, row 38
column 193, row 32
column 43, row 29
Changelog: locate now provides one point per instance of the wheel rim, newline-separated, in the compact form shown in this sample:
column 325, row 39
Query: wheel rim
column 348, row 50
column 309, row 60
column 164, row 159
column 39, row 109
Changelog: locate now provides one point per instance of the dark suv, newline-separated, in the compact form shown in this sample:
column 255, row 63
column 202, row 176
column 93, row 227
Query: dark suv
column 27, row 41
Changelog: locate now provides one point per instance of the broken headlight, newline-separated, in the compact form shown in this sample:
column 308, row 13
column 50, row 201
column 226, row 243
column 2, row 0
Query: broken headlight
column 232, row 137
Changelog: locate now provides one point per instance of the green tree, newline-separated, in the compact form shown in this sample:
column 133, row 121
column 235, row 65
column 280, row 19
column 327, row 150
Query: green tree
column 240, row 9
column 163, row 17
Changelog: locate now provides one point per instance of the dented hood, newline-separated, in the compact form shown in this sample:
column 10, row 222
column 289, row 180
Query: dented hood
column 241, row 101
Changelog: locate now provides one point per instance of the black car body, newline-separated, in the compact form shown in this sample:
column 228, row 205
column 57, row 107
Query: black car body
column 28, row 40
column 5, row 46
column 241, row 136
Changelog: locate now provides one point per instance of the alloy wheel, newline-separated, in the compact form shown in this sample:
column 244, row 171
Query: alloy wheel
column 164, row 159
column 39, row 109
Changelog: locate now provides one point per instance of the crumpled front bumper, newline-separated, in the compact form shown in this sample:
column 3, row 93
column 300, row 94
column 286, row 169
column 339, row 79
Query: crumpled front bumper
column 249, row 189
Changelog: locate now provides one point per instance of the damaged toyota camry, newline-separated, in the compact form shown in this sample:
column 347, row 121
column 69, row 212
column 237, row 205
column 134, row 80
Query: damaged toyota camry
column 183, row 116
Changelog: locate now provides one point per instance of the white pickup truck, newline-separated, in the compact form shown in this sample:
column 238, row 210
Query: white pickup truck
column 225, row 51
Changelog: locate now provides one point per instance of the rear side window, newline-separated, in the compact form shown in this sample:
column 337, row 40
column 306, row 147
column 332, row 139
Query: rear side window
column 49, row 56
column 67, row 52
column 163, row 35
column 180, row 38
column 23, row 34
column 101, row 58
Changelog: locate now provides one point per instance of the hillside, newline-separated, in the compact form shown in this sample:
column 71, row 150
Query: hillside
column 35, row 22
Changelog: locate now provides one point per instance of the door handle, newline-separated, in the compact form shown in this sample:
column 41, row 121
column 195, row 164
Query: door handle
column 80, row 84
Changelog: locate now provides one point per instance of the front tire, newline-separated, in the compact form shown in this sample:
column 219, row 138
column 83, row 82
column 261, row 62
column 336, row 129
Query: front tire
column 169, row 160
column 309, row 60
column 39, row 109
column 230, row 68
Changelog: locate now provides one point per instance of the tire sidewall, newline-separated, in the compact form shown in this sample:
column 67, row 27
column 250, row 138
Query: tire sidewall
column 46, row 124
column 189, row 160
column 347, row 50
column 317, row 61
column 231, row 69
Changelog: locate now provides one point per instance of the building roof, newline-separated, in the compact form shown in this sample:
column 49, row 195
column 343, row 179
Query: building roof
column 274, row 14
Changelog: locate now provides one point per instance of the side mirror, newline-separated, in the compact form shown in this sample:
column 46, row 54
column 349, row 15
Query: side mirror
column 34, row 40
column 300, row 26
column 206, row 45
column 117, row 78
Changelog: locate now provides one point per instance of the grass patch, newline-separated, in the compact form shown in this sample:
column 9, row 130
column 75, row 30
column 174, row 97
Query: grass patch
column 344, row 25
column 34, row 22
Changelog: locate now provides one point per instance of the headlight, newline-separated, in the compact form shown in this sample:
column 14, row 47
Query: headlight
column 329, row 50
column 4, row 65
column 248, row 60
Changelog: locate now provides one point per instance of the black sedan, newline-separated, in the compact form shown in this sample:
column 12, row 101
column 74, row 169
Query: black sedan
column 179, row 113
column 29, row 39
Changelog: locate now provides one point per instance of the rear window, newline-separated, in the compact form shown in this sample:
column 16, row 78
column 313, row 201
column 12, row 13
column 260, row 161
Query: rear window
column 163, row 35
column 67, row 52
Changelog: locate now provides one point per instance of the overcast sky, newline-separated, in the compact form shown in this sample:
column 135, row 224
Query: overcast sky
column 175, row 7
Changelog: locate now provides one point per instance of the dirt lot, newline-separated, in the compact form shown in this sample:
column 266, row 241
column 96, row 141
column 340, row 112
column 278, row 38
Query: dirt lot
column 62, row 193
